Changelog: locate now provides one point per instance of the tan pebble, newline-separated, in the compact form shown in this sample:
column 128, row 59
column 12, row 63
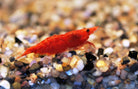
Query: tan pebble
column 33, row 78
column 74, row 61
column 58, row 67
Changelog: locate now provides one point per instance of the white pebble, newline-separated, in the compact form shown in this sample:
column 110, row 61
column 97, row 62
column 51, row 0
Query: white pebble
column 126, row 43
column 108, row 50
column 75, row 70
column 3, row 71
column 45, row 70
column 97, row 73
column 30, row 83
column 5, row 84
column 80, row 65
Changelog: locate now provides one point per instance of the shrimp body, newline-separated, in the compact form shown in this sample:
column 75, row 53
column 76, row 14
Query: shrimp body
column 60, row 43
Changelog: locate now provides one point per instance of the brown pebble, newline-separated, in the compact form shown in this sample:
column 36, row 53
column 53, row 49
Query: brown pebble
column 17, row 79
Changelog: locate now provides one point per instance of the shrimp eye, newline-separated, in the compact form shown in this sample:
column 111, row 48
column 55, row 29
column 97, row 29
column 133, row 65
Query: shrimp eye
column 87, row 30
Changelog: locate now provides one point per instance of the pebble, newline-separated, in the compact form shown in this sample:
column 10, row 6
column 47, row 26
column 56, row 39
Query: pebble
column 12, row 59
column 74, row 61
column 66, row 67
column 45, row 70
column 132, row 76
column 99, row 79
column 5, row 84
column 34, row 67
column 125, row 60
column 133, row 54
column 80, row 65
column 55, row 86
column 16, row 85
column 97, row 73
column 100, row 51
column 90, row 57
column 79, row 78
column 134, row 67
column 69, row 72
column 55, row 73
column 63, row 75
column 18, row 64
column 33, row 78
column 108, row 51
column 123, row 74
column 65, row 60
column 73, row 52
column 0, row 60
column 113, row 83
column 75, row 70
column 3, row 71
column 126, row 43
column 58, row 67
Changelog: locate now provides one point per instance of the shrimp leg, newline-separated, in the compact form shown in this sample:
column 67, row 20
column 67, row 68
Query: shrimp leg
column 87, row 42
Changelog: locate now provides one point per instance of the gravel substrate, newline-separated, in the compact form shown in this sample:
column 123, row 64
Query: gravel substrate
column 113, row 64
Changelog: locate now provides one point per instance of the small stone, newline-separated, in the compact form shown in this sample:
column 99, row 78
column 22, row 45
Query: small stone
column 89, row 66
column 134, row 67
column 79, row 78
column 0, row 60
column 126, row 43
column 10, row 79
column 75, row 70
column 90, row 57
column 102, row 65
column 73, row 52
column 12, row 59
column 108, row 51
column 17, row 40
column 33, row 78
column 99, row 79
column 34, row 68
column 40, row 74
column 97, row 73
column 45, row 70
column 63, row 75
column 18, row 64
column 5, row 84
column 74, row 61
column 125, row 60
column 55, row 85
column 66, row 68
column 133, row 54
column 16, row 85
column 58, row 67
column 65, row 61
column 80, row 65
column 55, row 73
column 132, row 76
column 100, row 51
column 69, row 72
column 3, row 71
column 123, row 74
column 90, row 81
column 17, row 79
column 113, row 83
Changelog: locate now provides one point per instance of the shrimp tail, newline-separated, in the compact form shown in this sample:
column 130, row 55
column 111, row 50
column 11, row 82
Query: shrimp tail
column 29, row 50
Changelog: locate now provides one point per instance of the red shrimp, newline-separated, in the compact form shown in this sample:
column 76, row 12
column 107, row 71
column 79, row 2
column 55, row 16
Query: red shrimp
column 60, row 43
